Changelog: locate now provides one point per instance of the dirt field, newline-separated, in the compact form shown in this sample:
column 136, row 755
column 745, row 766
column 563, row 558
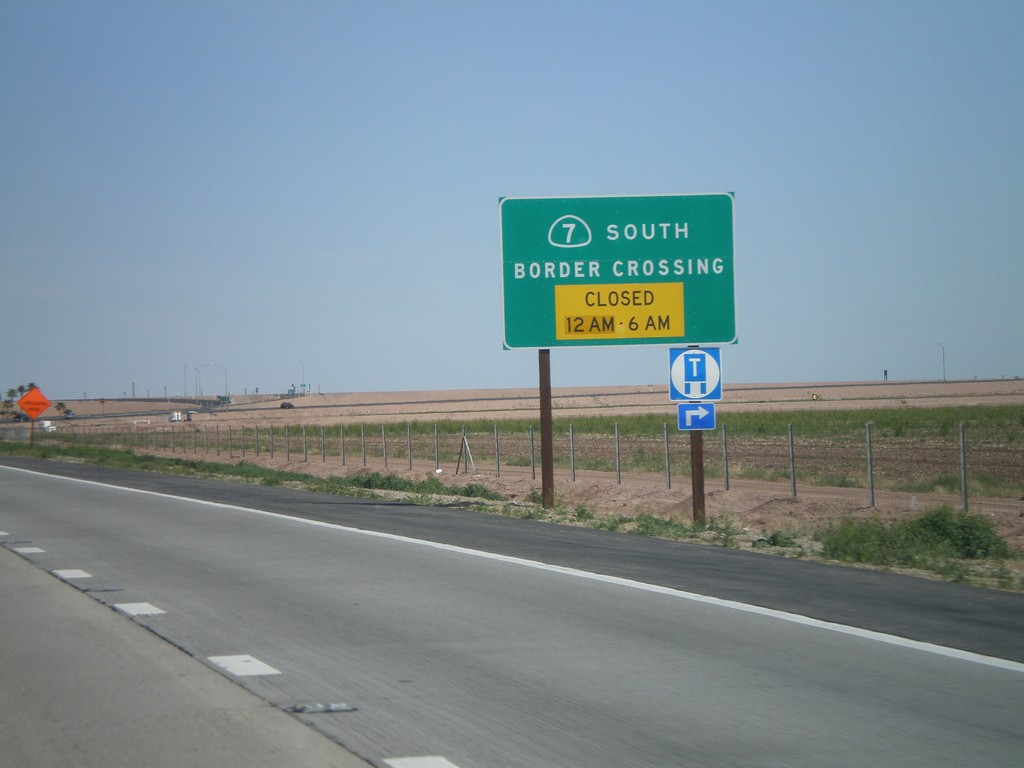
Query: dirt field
column 320, row 408
column 752, row 507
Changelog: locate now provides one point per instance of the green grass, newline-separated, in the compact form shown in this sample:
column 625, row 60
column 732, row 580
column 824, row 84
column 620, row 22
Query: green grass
column 931, row 540
column 999, row 423
column 246, row 472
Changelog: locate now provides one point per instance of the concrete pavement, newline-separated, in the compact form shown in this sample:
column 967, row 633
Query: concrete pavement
column 84, row 686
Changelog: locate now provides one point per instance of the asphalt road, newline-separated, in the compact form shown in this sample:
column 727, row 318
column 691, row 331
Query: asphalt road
column 487, row 641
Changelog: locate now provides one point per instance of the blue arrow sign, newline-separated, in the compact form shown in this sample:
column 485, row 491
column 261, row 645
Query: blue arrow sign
column 695, row 374
column 696, row 416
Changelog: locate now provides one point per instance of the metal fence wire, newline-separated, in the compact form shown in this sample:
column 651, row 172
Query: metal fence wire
column 855, row 469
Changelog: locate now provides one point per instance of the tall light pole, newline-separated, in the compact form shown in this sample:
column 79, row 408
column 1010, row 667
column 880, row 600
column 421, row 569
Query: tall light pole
column 943, row 359
column 225, row 377
column 214, row 365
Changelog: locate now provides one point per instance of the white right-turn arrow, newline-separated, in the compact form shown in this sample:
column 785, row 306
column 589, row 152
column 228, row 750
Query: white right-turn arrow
column 699, row 413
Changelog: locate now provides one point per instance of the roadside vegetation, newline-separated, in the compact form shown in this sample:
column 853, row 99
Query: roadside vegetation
column 915, row 449
column 353, row 485
column 956, row 546
column 941, row 541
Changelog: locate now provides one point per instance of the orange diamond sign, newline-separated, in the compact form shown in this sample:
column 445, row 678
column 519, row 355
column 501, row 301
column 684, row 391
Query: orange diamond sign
column 34, row 402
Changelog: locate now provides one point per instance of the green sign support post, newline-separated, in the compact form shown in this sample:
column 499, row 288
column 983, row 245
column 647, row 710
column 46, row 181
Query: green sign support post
column 604, row 271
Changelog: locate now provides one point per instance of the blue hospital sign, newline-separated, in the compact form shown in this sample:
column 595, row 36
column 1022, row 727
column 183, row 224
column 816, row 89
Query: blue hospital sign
column 695, row 374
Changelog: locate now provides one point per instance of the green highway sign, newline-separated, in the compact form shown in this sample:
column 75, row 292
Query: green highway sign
column 593, row 271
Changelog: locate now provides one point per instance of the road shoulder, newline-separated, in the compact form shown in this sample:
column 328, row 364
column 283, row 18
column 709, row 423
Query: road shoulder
column 87, row 686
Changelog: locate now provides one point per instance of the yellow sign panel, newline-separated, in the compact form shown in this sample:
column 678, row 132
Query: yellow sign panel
column 620, row 311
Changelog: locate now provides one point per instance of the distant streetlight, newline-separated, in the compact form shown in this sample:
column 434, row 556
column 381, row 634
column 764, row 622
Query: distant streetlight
column 225, row 377
column 943, row 359
column 214, row 365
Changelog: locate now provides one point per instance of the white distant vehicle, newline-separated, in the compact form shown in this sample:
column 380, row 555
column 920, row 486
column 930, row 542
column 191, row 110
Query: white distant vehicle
column 179, row 416
column 47, row 426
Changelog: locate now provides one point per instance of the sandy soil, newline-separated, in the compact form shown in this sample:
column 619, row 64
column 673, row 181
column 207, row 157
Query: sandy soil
column 320, row 408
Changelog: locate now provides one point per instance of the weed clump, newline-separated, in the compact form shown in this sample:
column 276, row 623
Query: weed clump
column 938, row 535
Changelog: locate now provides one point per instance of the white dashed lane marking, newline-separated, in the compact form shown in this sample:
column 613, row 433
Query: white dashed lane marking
column 419, row 762
column 138, row 609
column 28, row 550
column 243, row 666
column 72, row 573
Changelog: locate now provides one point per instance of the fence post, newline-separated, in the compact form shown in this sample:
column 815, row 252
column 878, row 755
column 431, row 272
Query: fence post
column 362, row 441
column 257, row 428
column 305, row 445
column 725, row 456
column 243, row 440
column 497, row 454
column 792, row 460
column 408, row 442
column 218, row 439
column 271, row 441
column 437, row 451
column 618, row 463
column 323, row 446
column 963, row 470
column 668, row 467
column 871, row 471
column 288, row 443
column 572, row 453
column 230, row 454
column 384, row 444
column 341, row 438
column 533, row 456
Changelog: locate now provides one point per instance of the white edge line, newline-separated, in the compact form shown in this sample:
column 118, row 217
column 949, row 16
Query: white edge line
column 793, row 618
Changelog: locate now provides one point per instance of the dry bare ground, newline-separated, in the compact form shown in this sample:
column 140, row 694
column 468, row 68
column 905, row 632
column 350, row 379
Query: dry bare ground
column 754, row 508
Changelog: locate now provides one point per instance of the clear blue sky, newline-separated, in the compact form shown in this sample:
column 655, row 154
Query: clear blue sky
column 266, row 191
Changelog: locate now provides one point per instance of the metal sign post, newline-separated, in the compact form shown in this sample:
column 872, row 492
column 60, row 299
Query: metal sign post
column 547, row 456
column 697, row 474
